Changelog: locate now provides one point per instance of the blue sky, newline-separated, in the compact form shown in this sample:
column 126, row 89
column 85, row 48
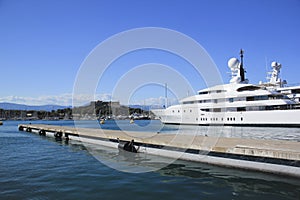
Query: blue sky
column 43, row 43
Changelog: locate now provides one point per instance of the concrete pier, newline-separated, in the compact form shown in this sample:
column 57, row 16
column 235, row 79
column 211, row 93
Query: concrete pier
column 272, row 156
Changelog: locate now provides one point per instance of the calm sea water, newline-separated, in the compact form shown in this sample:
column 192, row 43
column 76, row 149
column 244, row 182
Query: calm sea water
column 35, row 167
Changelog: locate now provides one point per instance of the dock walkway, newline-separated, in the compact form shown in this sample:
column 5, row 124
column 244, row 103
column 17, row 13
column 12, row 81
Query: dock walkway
column 274, row 156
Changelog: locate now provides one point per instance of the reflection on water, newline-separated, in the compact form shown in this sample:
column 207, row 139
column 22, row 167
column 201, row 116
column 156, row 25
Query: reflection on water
column 242, row 183
column 204, row 177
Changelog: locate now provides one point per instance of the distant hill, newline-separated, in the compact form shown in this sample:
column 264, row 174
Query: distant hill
column 146, row 108
column 14, row 106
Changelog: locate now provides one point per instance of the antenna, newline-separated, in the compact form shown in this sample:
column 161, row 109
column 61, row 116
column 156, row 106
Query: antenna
column 242, row 71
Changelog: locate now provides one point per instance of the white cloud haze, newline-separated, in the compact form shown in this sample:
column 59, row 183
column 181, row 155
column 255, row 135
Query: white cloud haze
column 66, row 100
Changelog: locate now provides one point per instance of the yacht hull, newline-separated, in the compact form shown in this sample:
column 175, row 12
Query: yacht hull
column 270, row 118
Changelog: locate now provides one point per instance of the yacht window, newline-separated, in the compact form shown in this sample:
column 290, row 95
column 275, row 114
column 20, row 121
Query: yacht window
column 262, row 107
column 203, row 92
column 188, row 102
column 240, row 109
column 216, row 109
column 205, row 110
column 296, row 91
column 220, row 91
column 278, row 97
column 248, row 88
column 257, row 98
column 249, row 98
column 262, row 98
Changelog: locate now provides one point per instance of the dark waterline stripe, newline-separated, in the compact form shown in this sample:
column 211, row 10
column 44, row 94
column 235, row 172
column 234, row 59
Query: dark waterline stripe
column 245, row 125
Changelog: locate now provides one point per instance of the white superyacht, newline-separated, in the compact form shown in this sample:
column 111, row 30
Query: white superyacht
column 238, row 103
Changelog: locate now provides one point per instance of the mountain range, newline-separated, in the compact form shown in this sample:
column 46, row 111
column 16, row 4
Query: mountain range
column 14, row 106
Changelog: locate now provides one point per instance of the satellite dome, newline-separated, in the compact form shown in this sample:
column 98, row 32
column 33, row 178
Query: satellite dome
column 233, row 63
column 274, row 64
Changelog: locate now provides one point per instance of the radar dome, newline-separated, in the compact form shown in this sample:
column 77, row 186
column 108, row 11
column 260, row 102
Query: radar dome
column 233, row 63
column 274, row 64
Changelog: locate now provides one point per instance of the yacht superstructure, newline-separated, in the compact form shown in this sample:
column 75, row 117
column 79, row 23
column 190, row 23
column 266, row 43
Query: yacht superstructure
column 237, row 103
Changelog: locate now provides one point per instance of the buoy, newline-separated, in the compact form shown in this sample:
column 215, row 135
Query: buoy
column 131, row 121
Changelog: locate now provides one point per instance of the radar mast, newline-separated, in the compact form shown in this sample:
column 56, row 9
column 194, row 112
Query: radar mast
column 242, row 71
